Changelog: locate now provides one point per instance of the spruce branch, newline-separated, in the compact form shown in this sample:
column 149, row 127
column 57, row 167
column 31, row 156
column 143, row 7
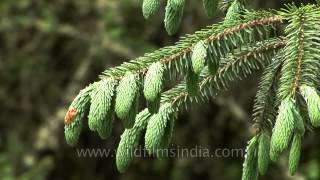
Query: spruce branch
column 264, row 109
column 209, row 61
column 234, row 32
column 234, row 66
column 301, row 64
column 160, row 125
column 299, row 72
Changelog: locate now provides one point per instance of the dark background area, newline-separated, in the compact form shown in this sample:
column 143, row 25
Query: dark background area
column 49, row 50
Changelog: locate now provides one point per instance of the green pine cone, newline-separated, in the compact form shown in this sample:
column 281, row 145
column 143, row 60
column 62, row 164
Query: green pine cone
column 127, row 95
column 210, row 7
column 250, row 171
column 101, row 113
column 233, row 11
column 198, row 58
column 151, row 140
column 150, row 7
column 153, row 82
column 192, row 80
column 72, row 132
column 313, row 102
column 283, row 128
column 173, row 15
column 294, row 155
column 156, row 129
column 74, row 122
column 130, row 140
column 263, row 153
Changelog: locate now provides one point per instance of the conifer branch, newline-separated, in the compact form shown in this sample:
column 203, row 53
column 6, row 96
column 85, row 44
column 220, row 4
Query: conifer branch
column 210, row 60
column 211, row 84
column 216, row 33
column 264, row 110
column 301, row 55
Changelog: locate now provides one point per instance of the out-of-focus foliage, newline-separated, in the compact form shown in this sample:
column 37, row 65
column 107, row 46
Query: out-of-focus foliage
column 49, row 50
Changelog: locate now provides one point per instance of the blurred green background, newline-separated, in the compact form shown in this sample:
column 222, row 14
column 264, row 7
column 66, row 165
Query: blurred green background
column 49, row 50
